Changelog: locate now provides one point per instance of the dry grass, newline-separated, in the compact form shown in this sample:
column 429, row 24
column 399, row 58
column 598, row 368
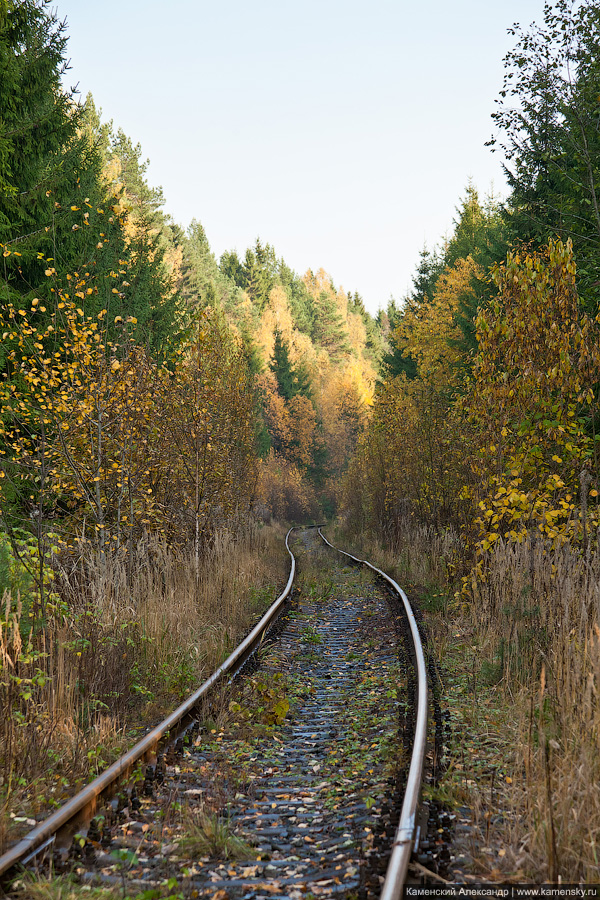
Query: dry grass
column 539, row 612
column 208, row 833
column 61, row 888
column 522, row 669
column 420, row 555
column 130, row 639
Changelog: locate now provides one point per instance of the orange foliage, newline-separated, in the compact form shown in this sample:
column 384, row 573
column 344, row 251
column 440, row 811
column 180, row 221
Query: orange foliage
column 285, row 491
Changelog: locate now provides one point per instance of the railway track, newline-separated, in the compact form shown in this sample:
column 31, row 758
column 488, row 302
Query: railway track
column 282, row 784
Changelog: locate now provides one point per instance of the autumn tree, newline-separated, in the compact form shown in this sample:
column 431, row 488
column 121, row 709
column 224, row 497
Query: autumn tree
column 77, row 414
column 533, row 400
column 206, row 427
column 430, row 336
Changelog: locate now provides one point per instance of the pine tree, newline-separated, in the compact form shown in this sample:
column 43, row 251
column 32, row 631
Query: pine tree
column 548, row 121
column 37, row 119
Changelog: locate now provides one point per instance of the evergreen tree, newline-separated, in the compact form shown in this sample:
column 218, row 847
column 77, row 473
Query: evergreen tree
column 290, row 380
column 50, row 169
column 548, row 121
column 231, row 267
column 200, row 271
column 396, row 361
column 260, row 271
column 429, row 268
column 483, row 233
column 203, row 282
column 37, row 117
column 329, row 329
column 301, row 303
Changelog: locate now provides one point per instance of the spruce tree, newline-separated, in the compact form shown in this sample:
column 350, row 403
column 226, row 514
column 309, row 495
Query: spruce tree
column 290, row 380
column 329, row 329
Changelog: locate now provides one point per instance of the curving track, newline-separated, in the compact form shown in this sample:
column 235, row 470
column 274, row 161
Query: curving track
column 305, row 803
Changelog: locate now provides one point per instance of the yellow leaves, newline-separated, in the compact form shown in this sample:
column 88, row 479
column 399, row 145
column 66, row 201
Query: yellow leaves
column 136, row 406
column 535, row 368
column 489, row 540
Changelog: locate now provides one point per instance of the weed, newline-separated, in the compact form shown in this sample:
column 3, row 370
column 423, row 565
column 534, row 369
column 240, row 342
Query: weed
column 310, row 635
column 208, row 833
column 62, row 887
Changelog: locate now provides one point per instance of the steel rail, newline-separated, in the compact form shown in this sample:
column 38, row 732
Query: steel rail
column 88, row 796
column 395, row 875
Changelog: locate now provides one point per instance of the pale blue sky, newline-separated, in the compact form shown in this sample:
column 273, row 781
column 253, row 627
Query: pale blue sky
column 343, row 133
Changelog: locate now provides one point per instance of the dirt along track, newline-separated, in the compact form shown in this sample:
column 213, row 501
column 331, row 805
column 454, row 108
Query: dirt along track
column 287, row 789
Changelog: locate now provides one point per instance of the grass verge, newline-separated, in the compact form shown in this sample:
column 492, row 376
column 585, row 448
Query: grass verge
column 122, row 641
column 520, row 670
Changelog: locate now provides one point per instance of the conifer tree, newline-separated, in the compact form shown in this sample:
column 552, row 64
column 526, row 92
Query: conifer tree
column 49, row 169
column 329, row 329
column 548, row 130
column 203, row 283
column 300, row 300
column 291, row 380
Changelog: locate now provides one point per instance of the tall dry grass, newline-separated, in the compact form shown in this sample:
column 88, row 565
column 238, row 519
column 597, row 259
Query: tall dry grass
column 418, row 553
column 127, row 639
column 539, row 612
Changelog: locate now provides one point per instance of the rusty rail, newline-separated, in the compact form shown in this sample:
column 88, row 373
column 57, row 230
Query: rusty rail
column 395, row 876
column 87, row 799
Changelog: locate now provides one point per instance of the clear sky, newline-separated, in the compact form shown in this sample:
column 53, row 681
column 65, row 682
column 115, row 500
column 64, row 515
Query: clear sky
column 341, row 132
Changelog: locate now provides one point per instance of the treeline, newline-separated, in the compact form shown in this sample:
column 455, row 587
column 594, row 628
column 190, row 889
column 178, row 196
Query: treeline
column 119, row 402
column 487, row 419
column 314, row 352
column 148, row 387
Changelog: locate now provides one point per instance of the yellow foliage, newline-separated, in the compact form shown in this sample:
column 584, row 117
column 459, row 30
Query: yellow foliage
column 430, row 333
column 285, row 491
column 99, row 428
column 532, row 402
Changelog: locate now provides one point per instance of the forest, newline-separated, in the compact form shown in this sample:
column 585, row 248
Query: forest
column 160, row 406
